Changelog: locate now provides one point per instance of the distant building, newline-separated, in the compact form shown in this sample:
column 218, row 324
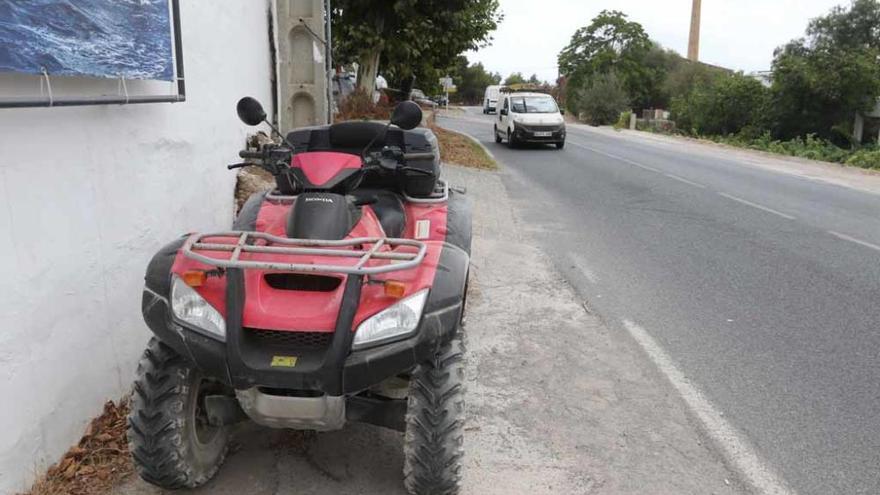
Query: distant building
column 765, row 77
column 867, row 125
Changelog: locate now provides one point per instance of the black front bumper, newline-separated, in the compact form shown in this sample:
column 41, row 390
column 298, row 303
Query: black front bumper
column 529, row 135
column 250, row 367
column 242, row 362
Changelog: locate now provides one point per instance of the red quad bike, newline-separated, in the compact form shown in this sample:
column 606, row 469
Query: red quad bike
column 339, row 296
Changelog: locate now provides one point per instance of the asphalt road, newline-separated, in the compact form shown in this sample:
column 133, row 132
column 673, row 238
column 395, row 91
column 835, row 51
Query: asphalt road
column 762, row 287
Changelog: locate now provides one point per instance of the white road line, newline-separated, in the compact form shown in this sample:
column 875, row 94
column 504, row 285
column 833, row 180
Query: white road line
column 585, row 270
column 853, row 239
column 646, row 167
column 682, row 179
column 735, row 448
column 756, row 205
column 625, row 160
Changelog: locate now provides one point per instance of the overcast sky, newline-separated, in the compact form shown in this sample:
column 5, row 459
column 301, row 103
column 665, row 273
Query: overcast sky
column 737, row 34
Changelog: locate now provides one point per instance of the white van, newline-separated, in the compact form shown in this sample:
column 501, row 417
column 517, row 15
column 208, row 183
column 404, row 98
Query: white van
column 529, row 118
column 490, row 99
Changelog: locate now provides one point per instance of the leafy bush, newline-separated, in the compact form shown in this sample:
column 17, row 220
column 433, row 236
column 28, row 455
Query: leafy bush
column 656, row 126
column 812, row 147
column 623, row 121
column 865, row 158
column 358, row 105
column 726, row 105
column 602, row 101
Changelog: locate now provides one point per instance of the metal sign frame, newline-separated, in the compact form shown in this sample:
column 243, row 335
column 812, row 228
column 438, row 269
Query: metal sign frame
column 49, row 100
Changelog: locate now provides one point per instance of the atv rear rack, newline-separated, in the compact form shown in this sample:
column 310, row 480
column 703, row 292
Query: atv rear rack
column 247, row 243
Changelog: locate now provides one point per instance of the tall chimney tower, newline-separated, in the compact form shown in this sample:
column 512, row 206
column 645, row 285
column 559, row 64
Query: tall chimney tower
column 694, row 42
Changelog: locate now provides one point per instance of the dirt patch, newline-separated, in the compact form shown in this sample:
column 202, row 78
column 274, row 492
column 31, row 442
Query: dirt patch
column 99, row 460
column 461, row 150
column 359, row 106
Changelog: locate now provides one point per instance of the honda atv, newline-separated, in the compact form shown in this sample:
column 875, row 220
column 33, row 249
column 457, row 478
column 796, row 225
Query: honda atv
column 338, row 296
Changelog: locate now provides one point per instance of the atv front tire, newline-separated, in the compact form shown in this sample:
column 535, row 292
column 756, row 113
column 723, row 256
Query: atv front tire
column 170, row 440
column 433, row 444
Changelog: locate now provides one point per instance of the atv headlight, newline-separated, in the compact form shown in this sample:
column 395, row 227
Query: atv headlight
column 189, row 307
column 392, row 323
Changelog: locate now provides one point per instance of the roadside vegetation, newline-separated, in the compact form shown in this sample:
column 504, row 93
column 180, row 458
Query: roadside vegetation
column 806, row 107
column 409, row 41
column 459, row 149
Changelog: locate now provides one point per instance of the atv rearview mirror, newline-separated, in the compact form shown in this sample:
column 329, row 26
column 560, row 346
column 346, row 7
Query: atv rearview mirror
column 250, row 111
column 406, row 115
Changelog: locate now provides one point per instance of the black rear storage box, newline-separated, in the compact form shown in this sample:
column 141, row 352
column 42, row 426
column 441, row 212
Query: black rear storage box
column 421, row 140
column 352, row 137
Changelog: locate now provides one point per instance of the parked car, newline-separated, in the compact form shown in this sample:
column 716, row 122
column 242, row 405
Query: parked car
column 529, row 118
column 418, row 96
column 440, row 100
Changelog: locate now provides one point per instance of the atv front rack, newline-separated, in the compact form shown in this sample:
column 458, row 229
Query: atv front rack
column 255, row 243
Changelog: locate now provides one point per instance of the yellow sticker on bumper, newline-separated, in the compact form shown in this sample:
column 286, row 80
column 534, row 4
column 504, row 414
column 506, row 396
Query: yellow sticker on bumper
column 283, row 361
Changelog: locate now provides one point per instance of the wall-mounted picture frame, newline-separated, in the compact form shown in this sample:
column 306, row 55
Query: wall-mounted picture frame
column 64, row 52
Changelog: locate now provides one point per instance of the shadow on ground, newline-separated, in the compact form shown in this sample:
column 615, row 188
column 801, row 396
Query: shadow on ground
column 360, row 459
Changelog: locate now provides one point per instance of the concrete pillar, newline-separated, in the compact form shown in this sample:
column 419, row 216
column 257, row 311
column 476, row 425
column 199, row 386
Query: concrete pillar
column 858, row 128
column 302, row 65
column 694, row 41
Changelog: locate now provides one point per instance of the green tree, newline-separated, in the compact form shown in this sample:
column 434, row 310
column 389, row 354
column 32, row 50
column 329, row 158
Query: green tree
column 611, row 43
column 600, row 101
column 726, row 105
column 854, row 27
column 515, row 78
column 687, row 76
column 471, row 80
column 409, row 38
column 821, row 82
column 648, row 88
column 819, row 90
column 533, row 79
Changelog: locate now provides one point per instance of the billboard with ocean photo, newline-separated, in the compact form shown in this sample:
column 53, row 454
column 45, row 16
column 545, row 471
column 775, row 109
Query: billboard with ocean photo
column 92, row 38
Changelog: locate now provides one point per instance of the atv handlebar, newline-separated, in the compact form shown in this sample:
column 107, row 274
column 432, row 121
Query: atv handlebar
column 257, row 155
column 418, row 156
column 388, row 158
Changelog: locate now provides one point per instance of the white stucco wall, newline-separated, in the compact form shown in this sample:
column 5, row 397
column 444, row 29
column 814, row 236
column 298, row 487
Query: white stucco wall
column 87, row 194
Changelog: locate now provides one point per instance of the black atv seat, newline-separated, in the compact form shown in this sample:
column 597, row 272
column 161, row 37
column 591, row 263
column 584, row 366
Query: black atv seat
column 346, row 137
column 388, row 209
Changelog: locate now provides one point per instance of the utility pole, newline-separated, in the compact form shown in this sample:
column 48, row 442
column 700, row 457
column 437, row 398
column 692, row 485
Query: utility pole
column 694, row 41
column 303, row 71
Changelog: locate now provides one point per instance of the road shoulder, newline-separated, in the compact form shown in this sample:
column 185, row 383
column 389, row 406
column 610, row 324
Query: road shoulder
column 558, row 401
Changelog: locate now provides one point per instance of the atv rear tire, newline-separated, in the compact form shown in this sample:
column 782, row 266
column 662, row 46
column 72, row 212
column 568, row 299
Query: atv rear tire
column 433, row 444
column 170, row 441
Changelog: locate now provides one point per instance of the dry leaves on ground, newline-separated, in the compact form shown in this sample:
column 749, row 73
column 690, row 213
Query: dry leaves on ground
column 96, row 463
column 461, row 150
